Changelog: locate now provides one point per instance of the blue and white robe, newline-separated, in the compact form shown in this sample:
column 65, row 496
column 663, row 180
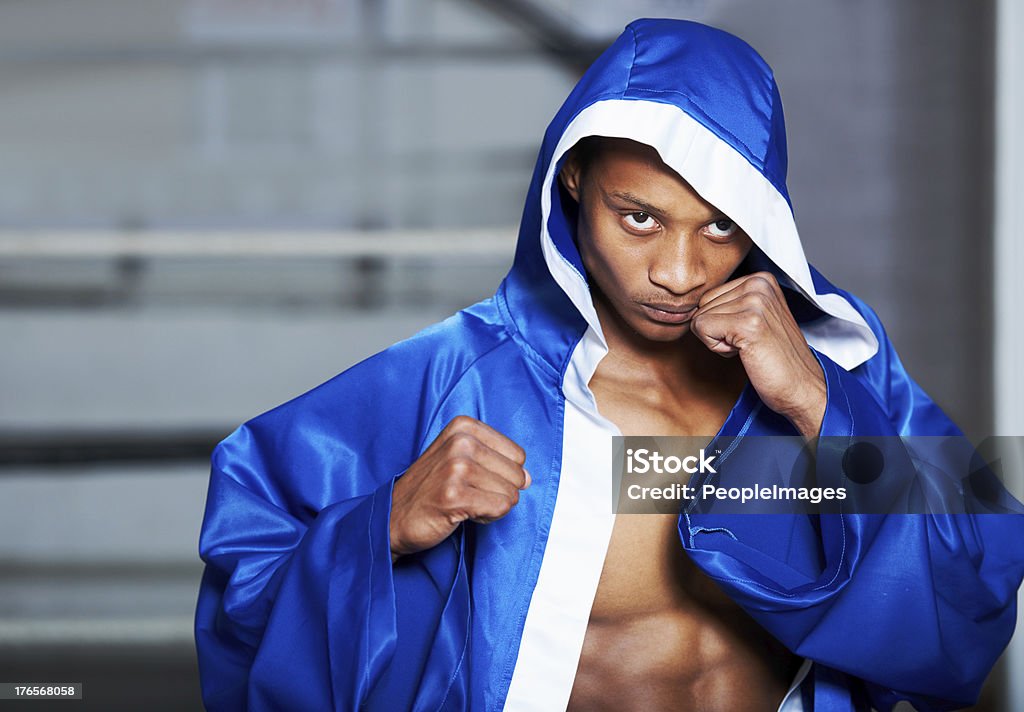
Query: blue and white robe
column 301, row 608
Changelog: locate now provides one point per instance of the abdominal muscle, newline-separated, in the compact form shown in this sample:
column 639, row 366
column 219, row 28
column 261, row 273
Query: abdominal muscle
column 662, row 636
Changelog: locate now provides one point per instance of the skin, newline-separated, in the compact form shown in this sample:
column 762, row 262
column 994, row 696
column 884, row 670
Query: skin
column 683, row 340
column 471, row 472
column 659, row 257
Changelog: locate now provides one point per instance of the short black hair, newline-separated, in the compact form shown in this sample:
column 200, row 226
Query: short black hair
column 584, row 152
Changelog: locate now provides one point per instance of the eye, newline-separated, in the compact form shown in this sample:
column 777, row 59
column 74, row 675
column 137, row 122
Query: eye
column 640, row 222
column 723, row 227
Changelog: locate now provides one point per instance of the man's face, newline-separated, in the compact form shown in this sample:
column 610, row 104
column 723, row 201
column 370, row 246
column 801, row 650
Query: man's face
column 651, row 245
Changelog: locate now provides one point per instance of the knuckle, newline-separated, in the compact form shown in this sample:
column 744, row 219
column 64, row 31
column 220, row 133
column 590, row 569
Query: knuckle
column 460, row 466
column 520, row 455
column 463, row 444
column 451, row 494
column 758, row 284
column 756, row 299
column 461, row 422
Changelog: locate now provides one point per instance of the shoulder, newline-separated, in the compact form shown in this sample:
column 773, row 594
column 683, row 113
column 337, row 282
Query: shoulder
column 822, row 285
column 909, row 408
column 879, row 362
column 396, row 386
column 363, row 426
column 876, row 372
column 446, row 349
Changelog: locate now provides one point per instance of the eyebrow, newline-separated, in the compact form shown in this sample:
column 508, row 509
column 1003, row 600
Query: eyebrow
column 638, row 202
column 646, row 207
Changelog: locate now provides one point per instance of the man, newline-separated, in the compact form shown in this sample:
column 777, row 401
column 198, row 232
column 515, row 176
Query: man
column 431, row 528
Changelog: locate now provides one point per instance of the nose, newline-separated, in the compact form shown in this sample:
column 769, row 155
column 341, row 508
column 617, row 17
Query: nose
column 677, row 265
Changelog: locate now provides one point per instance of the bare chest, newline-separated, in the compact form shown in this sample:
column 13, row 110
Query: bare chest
column 658, row 624
column 646, row 569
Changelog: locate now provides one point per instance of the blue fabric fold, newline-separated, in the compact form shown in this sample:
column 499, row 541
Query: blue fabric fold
column 910, row 607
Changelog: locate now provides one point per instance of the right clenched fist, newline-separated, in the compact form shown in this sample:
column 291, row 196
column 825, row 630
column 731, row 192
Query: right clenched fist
column 471, row 471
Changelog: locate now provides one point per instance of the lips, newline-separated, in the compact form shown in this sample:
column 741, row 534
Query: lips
column 668, row 313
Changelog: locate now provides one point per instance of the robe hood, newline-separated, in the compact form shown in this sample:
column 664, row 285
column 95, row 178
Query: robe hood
column 709, row 104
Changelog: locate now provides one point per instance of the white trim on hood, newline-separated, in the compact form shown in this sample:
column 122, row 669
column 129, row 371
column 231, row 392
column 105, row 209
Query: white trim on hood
column 727, row 180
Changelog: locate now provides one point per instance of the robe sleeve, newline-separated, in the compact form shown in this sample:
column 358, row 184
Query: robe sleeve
column 300, row 607
column 917, row 606
column 292, row 614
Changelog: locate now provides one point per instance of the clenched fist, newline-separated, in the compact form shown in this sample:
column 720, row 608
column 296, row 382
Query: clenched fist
column 748, row 317
column 471, row 471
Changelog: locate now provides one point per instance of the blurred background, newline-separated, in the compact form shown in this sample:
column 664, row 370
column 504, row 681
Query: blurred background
column 210, row 206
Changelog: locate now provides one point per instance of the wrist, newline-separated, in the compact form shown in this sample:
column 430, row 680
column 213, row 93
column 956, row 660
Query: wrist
column 808, row 417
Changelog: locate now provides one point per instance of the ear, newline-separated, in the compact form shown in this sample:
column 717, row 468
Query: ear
column 570, row 175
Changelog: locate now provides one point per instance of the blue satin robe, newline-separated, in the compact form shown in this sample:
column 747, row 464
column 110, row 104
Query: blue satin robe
column 300, row 606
